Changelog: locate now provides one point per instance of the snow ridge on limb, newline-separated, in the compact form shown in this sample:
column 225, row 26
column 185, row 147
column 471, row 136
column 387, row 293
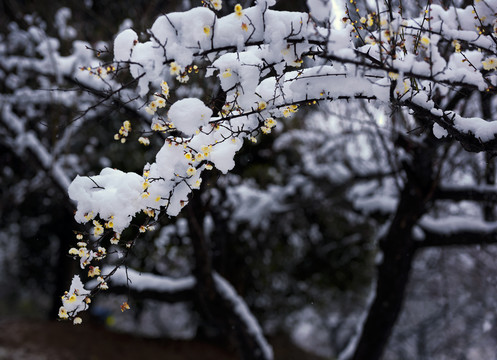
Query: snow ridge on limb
column 456, row 231
column 46, row 160
column 241, row 309
column 144, row 281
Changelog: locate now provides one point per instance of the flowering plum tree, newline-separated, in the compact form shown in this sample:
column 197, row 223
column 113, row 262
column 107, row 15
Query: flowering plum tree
column 269, row 65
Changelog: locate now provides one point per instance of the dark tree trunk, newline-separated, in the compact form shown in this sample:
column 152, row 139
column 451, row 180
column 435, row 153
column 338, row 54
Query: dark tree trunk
column 215, row 307
column 398, row 248
column 489, row 207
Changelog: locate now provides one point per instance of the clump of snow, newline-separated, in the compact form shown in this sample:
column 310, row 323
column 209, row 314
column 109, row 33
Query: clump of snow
column 483, row 130
column 438, row 131
column 320, row 9
column 112, row 194
column 188, row 115
column 146, row 61
column 65, row 31
column 184, row 33
column 223, row 153
column 376, row 203
column 123, row 45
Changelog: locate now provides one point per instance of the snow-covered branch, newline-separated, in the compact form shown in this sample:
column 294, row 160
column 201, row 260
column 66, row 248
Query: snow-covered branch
column 456, row 231
column 27, row 140
column 150, row 286
column 244, row 315
column 461, row 193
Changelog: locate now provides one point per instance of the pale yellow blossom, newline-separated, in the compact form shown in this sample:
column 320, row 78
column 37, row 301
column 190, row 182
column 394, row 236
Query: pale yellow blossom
column 174, row 68
column 63, row 313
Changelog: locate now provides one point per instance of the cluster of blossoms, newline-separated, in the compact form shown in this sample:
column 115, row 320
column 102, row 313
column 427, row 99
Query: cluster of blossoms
column 269, row 123
column 123, row 131
column 160, row 125
column 369, row 21
column 192, row 155
column 457, row 45
column 74, row 301
column 78, row 298
column 176, row 69
column 144, row 140
column 93, row 271
column 102, row 284
column 239, row 15
column 397, row 37
column 159, row 101
column 99, row 71
column 238, row 11
column 289, row 110
column 98, row 229
column 86, row 256
column 145, row 228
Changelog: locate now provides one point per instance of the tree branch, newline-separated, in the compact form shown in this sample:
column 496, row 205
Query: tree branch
column 456, row 231
column 480, row 194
